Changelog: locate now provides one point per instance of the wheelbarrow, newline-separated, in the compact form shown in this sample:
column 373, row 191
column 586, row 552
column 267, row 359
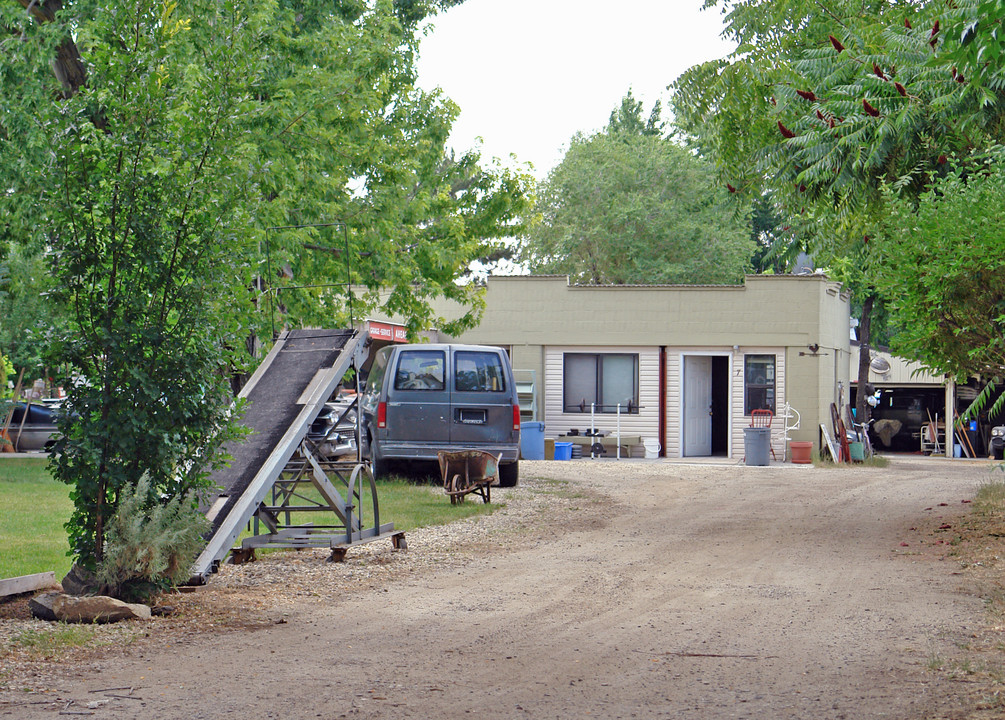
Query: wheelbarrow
column 468, row 471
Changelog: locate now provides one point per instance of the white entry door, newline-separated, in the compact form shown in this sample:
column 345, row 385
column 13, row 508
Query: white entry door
column 697, row 405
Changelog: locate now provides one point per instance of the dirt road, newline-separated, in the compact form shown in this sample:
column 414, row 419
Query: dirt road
column 694, row 592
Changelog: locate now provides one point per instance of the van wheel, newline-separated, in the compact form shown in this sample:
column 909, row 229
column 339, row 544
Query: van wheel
column 509, row 473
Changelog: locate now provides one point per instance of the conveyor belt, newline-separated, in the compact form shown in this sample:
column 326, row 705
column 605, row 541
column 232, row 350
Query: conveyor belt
column 285, row 395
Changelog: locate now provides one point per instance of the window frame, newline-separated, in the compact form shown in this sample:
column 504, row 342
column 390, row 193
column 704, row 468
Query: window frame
column 768, row 384
column 439, row 355
column 598, row 383
column 496, row 364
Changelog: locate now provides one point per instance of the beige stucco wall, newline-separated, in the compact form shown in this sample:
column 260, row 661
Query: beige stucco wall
column 782, row 315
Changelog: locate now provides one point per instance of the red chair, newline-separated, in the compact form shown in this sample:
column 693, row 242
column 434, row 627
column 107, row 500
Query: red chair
column 763, row 418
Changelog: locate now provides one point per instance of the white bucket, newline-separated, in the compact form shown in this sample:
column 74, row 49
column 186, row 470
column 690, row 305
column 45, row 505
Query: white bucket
column 652, row 446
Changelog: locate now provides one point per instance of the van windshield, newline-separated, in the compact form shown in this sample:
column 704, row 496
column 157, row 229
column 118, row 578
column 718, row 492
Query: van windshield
column 420, row 370
column 478, row 372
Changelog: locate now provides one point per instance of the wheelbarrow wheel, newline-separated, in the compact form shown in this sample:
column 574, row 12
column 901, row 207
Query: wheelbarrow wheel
column 456, row 485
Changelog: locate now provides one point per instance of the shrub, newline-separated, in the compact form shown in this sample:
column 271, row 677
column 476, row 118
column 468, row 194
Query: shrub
column 150, row 543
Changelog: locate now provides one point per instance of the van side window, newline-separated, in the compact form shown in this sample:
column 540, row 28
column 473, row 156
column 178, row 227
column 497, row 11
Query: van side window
column 420, row 370
column 478, row 372
column 377, row 370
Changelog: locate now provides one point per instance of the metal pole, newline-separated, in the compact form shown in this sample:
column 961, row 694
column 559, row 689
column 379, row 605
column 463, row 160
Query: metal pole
column 619, row 431
column 593, row 430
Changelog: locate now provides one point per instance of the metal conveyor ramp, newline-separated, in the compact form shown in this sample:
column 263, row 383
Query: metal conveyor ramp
column 284, row 396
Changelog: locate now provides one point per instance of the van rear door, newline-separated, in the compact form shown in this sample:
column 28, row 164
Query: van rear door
column 482, row 399
column 418, row 398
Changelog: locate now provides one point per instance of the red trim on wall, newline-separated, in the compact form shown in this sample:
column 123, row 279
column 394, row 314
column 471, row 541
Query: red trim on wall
column 663, row 401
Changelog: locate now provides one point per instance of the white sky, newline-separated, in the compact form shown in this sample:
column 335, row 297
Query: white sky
column 529, row 74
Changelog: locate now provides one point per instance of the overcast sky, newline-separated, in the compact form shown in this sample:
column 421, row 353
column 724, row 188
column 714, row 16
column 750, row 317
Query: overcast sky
column 529, row 74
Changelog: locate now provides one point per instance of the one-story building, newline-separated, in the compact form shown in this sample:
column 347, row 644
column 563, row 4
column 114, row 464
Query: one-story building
column 684, row 366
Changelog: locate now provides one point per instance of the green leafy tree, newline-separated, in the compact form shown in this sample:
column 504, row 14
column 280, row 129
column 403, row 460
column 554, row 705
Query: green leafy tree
column 150, row 168
column 30, row 313
column 944, row 270
column 628, row 206
column 627, row 118
column 144, row 186
column 348, row 138
column 828, row 109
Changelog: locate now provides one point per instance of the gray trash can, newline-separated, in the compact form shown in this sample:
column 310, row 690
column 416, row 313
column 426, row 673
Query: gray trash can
column 756, row 445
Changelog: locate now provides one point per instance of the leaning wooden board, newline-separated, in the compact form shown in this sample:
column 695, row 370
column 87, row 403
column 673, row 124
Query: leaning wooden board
column 830, row 443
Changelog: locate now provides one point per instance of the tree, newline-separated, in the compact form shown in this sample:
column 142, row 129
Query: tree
column 627, row 118
column 30, row 313
column 632, row 207
column 349, row 138
column 944, row 272
column 149, row 170
column 830, row 109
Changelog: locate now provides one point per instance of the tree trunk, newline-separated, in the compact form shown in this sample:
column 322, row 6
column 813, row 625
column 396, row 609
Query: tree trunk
column 862, row 409
column 67, row 65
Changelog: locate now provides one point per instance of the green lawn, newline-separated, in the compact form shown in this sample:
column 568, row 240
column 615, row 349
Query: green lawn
column 35, row 507
column 32, row 538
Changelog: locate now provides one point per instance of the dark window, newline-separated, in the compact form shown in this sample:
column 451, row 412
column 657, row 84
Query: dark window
column 478, row 372
column 601, row 379
column 758, row 383
column 377, row 370
column 420, row 370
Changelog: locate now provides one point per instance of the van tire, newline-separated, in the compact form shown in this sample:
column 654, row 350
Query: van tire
column 378, row 465
column 509, row 473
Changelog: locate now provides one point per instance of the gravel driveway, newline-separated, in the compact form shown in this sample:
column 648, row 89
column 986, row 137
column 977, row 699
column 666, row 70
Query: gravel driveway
column 631, row 589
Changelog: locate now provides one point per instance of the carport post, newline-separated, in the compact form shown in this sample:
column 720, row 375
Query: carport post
column 950, row 416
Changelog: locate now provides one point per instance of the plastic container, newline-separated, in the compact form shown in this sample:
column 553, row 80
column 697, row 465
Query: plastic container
column 652, row 446
column 857, row 451
column 802, row 452
column 563, row 451
column 756, row 445
column 532, row 440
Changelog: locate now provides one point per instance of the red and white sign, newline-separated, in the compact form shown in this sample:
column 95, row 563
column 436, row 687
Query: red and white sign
column 387, row 331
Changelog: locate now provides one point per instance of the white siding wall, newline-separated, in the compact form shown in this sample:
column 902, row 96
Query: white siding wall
column 675, row 404
column 644, row 424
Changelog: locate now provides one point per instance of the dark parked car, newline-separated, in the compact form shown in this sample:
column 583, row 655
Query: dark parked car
column 32, row 426
column 420, row 399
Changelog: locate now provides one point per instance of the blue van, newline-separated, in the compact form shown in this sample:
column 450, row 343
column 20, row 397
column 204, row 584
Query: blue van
column 420, row 399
